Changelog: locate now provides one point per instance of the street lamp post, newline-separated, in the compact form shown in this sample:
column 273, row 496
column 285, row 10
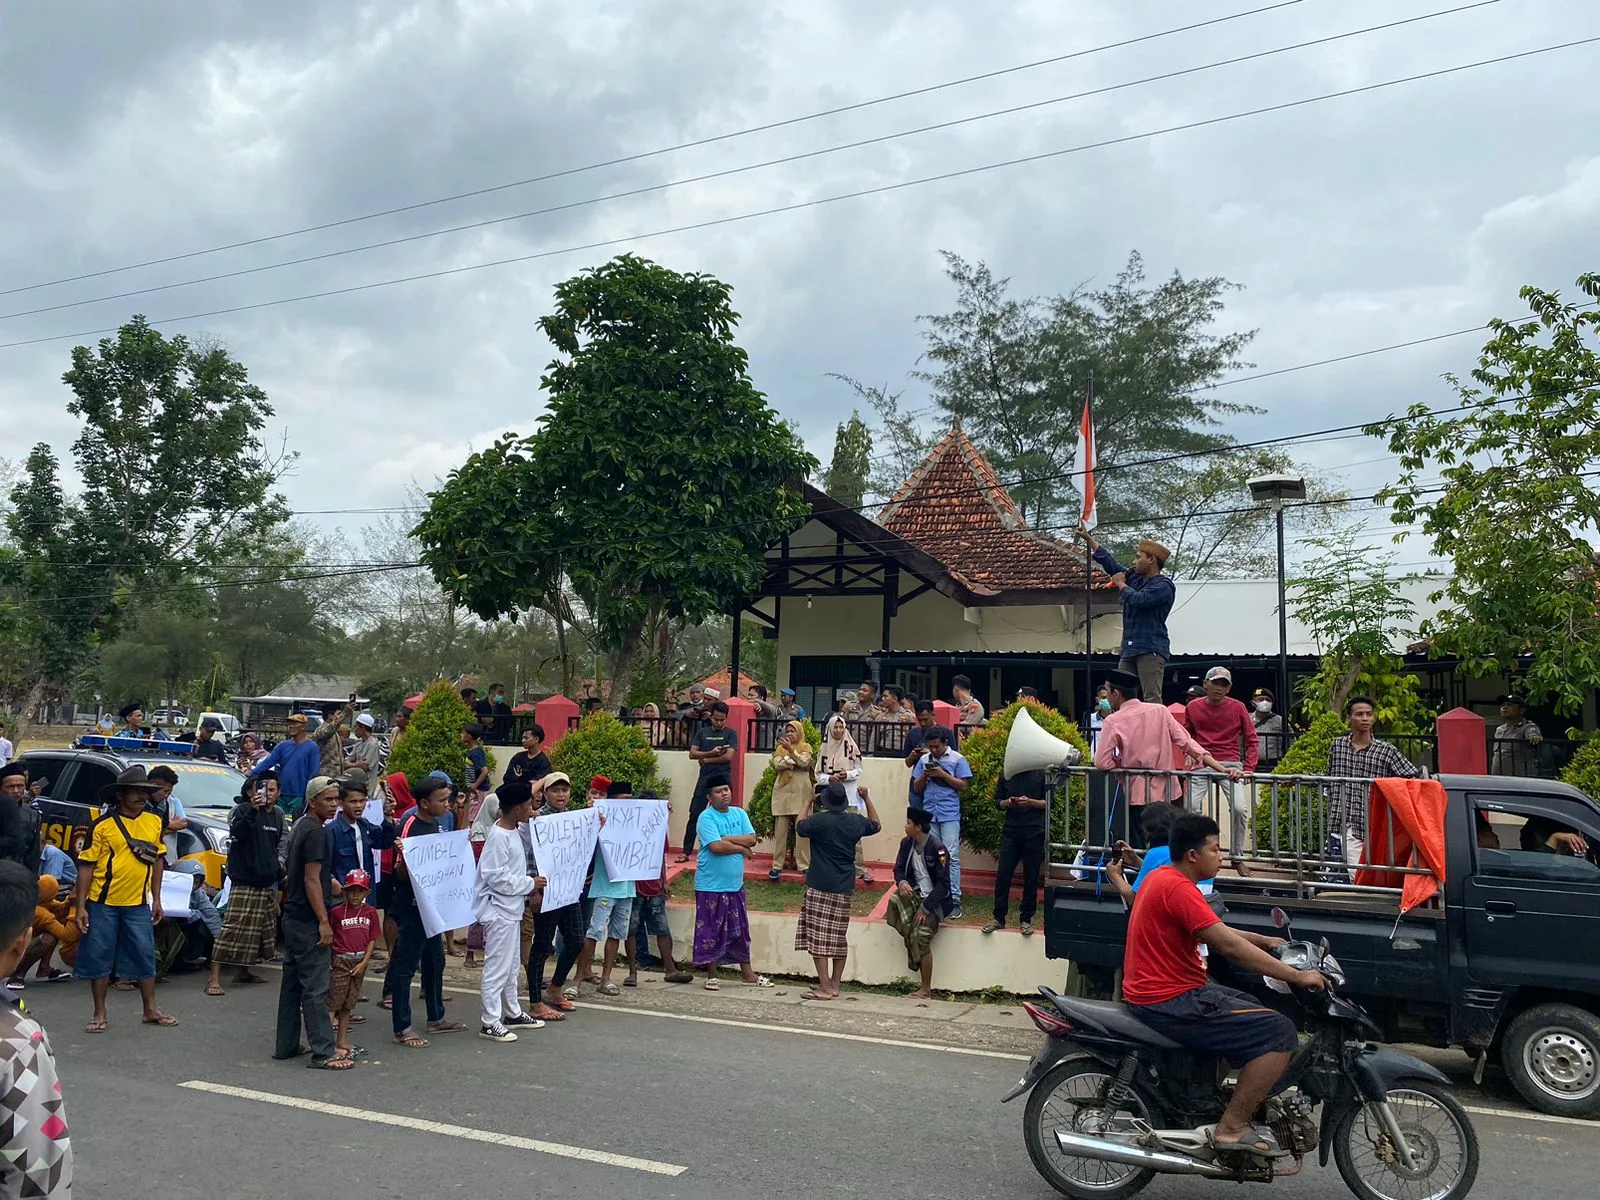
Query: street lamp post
column 1275, row 490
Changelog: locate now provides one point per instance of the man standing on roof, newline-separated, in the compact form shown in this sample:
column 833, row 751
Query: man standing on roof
column 1147, row 597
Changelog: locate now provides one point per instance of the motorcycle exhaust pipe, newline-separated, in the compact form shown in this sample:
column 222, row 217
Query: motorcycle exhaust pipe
column 1159, row 1161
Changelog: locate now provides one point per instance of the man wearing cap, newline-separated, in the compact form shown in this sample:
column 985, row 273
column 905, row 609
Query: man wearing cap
column 1515, row 740
column 296, row 760
column 1271, row 732
column 1147, row 597
column 308, row 935
column 788, row 707
column 132, row 716
column 1223, row 726
column 1138, row 736
column 15, row 842
column 553, row 1002
column 119, row 873
column 921, row 896
column 366, row 749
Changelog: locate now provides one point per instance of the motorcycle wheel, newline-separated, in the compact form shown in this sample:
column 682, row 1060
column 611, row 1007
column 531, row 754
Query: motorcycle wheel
column 1436, row 1128
column 1072, row 1096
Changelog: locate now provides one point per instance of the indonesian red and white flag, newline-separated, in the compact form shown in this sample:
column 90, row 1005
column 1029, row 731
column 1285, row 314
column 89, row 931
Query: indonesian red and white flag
column 1084, row 469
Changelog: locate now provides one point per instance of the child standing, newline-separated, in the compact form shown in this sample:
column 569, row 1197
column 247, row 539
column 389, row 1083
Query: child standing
column 501, row 894
column 356, row 930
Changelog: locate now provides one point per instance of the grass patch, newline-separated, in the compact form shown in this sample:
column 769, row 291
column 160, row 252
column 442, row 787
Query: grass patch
column 761, row 895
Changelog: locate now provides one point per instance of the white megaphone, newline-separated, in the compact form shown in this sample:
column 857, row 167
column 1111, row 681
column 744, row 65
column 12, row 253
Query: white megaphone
column 1030, row 748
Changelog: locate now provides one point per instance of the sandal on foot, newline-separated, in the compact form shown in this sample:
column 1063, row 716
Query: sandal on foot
column 569, row 993
column 713, row 986
column 682, row 858
column 215, row 989
column 990, row 927
column 760, row 981
column 356, row 1019
column 1259, row 1141
column 160, row 1019
column 631, row 981
column 678, row 977
column 411, row 1041
column 386, row 1003
column 96, row 1026
column 446, row 1027
column 544, row 1012
column 608, row 989
column 300, row 1053
column 336, row 1063
column 1027, row 929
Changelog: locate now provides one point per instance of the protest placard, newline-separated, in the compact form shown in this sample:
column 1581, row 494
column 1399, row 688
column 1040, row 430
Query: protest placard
column 634, row 838
column 563, row 844
column 176, row 891
column 442, row 876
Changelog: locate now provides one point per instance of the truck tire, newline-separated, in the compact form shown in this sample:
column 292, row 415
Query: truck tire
column 1552, row 1054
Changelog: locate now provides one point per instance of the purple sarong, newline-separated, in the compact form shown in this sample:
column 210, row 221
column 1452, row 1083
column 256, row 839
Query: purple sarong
column 721, row 928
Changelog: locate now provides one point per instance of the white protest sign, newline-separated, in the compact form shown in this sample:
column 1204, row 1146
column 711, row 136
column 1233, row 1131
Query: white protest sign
column 176, row 891
column 563, row 845
column 373, row 815
column 442, row 876
column 634, row 838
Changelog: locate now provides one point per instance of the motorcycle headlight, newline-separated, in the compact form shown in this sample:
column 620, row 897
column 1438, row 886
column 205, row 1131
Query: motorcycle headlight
column 1331, row 968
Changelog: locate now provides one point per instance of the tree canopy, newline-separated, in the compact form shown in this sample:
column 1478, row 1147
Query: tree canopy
column 846, row 477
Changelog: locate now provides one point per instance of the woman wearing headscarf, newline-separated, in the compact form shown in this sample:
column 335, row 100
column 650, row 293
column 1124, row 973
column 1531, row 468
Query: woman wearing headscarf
column 250, row 753
column 791, row 796
column 840, row 762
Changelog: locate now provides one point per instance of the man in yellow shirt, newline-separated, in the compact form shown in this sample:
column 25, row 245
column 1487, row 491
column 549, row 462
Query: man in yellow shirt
column 119, row 897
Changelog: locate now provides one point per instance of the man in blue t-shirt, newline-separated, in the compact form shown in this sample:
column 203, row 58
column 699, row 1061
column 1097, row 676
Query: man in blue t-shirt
column 938, row 780
column 297, row 759
column 721, row 924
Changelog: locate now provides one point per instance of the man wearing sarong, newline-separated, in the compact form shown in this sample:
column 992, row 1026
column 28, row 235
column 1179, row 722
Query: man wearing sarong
column 249, row 928
column 824, row 928
column 921, row 896
column 721, row 925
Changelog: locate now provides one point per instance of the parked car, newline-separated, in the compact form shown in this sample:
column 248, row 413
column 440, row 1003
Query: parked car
column 170, row 716
column 1503, row 963
column 74, row 778
column 226, row 725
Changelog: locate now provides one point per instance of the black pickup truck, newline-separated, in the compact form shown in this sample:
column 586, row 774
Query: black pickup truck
column 1506, row 960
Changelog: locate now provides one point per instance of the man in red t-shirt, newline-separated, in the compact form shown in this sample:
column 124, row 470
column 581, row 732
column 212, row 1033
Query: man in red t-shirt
column 1223, row 726
column 1164, row 981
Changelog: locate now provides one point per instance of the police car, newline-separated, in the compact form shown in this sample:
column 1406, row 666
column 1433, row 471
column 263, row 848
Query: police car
column 74, row 777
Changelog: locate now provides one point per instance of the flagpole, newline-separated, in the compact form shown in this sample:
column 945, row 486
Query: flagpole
column 1088, row 575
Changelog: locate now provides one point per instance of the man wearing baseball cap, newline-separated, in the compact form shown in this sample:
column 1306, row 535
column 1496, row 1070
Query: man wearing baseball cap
column 1147, row 597
column 356, row 929
column 297, row 760
column 308, row 934
column 1223, row 726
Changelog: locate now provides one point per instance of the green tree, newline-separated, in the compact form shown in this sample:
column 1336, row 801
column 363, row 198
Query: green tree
column 603, row 745
column 655, row 481
column 432, row 742
column 846, row 477
column 1515, row 508
column 176, row 481
column 985, row 749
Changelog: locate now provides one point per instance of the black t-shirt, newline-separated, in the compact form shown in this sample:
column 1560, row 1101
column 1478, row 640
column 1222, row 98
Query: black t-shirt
column 210, row 748
column 402, row 897
column 1028, row 821
column 308, row 843
column 834, row 836
column 525, row 767
column 707, row 738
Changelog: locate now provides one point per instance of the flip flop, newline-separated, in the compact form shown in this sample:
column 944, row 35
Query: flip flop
column 760, row 981
column 332, row 1064
column 543, row 1012
column 300, row 1053
column 563, row 1004
column 386, row 1003
column 356, row 1019
column 446, row 1027
column 95, row 1027
column 1259, row 1141
column 678, row 977
column 163, row 1020
column 631, row 981
column 713, row 986
column 249, row 979
column 608, row 989
column 411, row 1041
column 813, row 994
column 215, row 989
column 682, row 858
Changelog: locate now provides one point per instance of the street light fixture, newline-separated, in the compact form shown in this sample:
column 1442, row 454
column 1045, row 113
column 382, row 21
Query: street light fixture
column 1274, row 490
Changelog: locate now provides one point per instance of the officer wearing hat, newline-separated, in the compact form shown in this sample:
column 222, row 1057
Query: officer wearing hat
column 1516, row 740
column 1147, row 597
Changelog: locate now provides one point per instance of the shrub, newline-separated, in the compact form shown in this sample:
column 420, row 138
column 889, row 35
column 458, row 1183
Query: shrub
column 760, row 809
column 1583, row 772
column 985, row 750
column 603, row 745
column 1307, row 756
column 432, row 742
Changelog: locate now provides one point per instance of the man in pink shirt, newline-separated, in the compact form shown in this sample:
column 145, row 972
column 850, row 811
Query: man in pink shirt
column 1140, row 736
column 1223, row 726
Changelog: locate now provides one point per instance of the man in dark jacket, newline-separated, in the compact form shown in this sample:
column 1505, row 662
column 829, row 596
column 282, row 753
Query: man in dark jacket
column 1027, row 813
column 256, row 830
column 921, row 896
column 1147, row 597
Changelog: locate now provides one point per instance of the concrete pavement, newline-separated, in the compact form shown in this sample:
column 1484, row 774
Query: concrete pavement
column 672, row 1092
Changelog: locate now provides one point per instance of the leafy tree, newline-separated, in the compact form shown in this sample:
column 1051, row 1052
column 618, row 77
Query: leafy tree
column 175, row 481
column 1583, row 772
column 985, row 749
column 432, row 742
column 760, row 809
column 655, row 481
column 846, row 477
column 1515, row 510
column 603, row 745
column 904, row 440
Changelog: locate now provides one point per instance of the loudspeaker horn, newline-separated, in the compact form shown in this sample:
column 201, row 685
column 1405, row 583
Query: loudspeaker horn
column 1030, row 748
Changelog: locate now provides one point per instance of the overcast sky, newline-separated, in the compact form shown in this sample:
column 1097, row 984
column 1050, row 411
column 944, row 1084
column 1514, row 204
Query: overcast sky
column 133, row 132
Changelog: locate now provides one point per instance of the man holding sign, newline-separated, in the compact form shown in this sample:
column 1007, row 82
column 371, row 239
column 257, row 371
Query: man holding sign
column 562, row 849
column 413, row 948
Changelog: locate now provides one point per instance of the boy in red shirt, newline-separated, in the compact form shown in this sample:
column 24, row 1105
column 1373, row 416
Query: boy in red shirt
column 1164, row 981
column 356, row 930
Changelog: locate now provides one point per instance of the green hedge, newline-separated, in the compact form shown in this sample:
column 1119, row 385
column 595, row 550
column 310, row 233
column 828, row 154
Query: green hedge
column 985, row 750
column 760, row 809
column 1583, row 772
column 603, row 745
column 432, row 742
column 1307, row 756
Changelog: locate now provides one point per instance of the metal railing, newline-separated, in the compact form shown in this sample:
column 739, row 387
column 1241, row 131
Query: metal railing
column 1281, row 834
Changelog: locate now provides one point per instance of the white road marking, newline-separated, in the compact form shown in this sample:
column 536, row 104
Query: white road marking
column 1513, row 1115
column 817, row 1033
column 393, row 1120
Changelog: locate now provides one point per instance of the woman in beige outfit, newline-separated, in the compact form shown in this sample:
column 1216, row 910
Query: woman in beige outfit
column 791, row 796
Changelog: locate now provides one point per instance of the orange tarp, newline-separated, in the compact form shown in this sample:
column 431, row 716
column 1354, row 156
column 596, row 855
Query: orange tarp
column 1417, row 807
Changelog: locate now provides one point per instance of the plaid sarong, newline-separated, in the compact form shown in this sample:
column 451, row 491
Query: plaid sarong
column 902, row 918
column 824, row 927
column 721, row 928
column 249, row 927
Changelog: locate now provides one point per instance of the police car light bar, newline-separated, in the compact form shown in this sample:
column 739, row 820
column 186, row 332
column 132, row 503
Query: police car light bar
column 133, row 745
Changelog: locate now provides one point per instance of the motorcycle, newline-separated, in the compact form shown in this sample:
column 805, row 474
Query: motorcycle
column 1112, row 1103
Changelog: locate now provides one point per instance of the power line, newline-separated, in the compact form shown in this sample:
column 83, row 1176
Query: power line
column 727, row 172
column 648, row 154
column 859, row 193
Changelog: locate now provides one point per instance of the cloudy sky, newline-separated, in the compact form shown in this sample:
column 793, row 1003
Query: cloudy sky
column 138, row 132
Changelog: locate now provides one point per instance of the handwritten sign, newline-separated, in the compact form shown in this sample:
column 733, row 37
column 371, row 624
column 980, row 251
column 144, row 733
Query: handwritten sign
column 634, row 838
column 563, row 845
column 176, row 891
column 442, row 876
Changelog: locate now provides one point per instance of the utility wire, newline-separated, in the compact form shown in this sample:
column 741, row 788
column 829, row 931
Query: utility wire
column 650, row 189
column 717, row 222
column 648, row 154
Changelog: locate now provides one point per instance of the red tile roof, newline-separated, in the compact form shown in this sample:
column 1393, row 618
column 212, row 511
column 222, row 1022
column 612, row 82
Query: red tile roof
column 954, row 507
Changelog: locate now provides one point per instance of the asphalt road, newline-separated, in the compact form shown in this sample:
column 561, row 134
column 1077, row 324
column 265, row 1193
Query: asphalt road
column 696, row 1102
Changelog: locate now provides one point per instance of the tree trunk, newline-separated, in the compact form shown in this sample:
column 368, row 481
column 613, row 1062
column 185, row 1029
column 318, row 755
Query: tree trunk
column 33, row 701
column 626, row 662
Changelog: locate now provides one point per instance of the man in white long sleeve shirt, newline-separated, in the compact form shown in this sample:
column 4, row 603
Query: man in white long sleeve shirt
column 502, row 892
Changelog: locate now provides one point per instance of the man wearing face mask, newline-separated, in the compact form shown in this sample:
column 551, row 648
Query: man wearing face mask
column 1270, row 729
column 1097, row 716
